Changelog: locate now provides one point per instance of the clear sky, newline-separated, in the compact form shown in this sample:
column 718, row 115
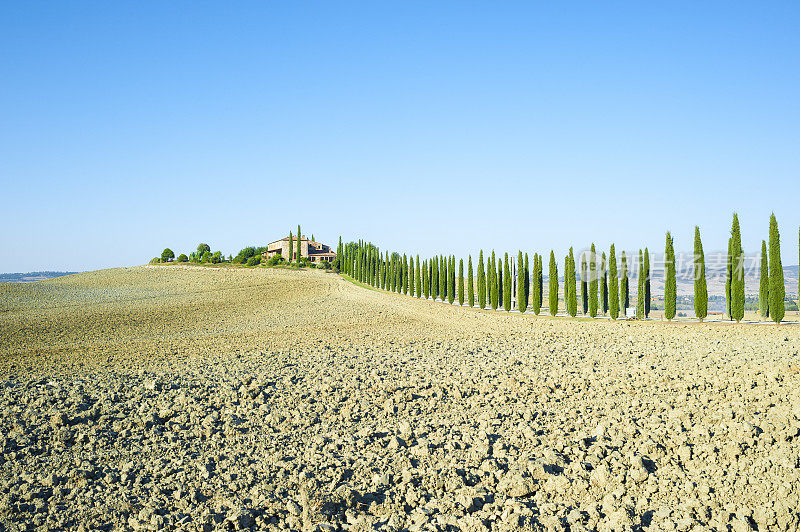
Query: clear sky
column 427, row 127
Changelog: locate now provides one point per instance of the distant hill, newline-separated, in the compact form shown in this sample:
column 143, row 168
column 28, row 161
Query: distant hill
column 31, row 276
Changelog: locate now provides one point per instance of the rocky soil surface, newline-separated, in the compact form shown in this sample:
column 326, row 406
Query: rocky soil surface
column 163, row 398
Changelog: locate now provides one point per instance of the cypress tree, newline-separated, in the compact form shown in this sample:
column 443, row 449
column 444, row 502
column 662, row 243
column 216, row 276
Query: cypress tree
column 451, row 275
column 552, row 284
column 425, row 292
column 640, row 289
column 624, row 286
column 522, row 299
column 481, row 282
column 506, row 285
column 500, row 283
column 527, row 285
column 737, row 281
column 412, row 286
column 442, row 278
column 406, row 278
column 729, row 279
column 603, row 281
column 541, row 281
column 566, row 283
column 418, row 279
column 572, row 303
column 670, row 286
column 584, row 286
column 536, row 289
column 460, row 282
column 593, row 282
column 646, row 283
column 291, row 248
column 700, row 287
column 763, row 283
column 435, row 279
column 777, row 290
column 470, row 281
column 493, row 283
column 613, row 284
column 299, row 248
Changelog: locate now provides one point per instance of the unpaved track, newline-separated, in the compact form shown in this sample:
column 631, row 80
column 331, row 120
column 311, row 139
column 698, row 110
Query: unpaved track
column 169, row 397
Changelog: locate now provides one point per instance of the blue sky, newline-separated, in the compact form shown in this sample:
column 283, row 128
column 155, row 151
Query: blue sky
column 424, row 127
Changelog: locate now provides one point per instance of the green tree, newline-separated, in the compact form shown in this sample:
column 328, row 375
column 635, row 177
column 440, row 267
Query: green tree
column 737, row 281
column 418, row 280
column 406, row 279
column 183, row 258
column 603, row 283
column 299, row 247
column 442, row 278
column 493, row 283
column 451, row 288
column 640, row 289
column 763, row 283
column 460, row 282
column 624, row 285
column 536, row 289
column 290, row 258
column 593, row 282
column 613, row 284
column 584, row 285
column 729, row 279
column 646, row 283
column 527, row 286
column 700, row 287
column 435, row 278
column 481, row 282
column 670, row 283
column 522, row 297
column 506, row 285
column 552, row 284
column 777, row 290
column 499, row 279
column 569, row 281
column 470, row 283
column 203, row 248
column 167, row 255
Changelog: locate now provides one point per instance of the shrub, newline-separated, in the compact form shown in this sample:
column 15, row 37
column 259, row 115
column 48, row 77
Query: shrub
column 206, row 257
column 275, row 260
column 304, row 262
column 155, row 260
column 183, row 258
column 167, row 255
column 216, row 258
column 325, row 265
column 254, row 261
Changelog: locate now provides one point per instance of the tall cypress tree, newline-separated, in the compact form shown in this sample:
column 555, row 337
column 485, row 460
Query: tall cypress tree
column 603, row 282
column 566, row 283
column 460, row 282
column 729, row 280
column 777, row 290
column 541, row 281
column 500, row 283
column 435, row 279
column 763, row 283
column 442, row 278
column 481, row 282
column 405, row 274
column 700, row 287
column 506, row 285
column 522, row 300
column 624, row 286
column 412, row 286
column 584, row 285
column 291, row 248
column 418, row 280
column 451, row 275
column 536, row 289
column 495, row 296
column 593, row 282
column 552, row 284
column 572, row 303
column 737, row 281
column 527, row 285
column 646, row 283
column 613, row 284
column 425, row 285
column 299, row 247
column 670, row 284
column 640, row 289
column 470, row 285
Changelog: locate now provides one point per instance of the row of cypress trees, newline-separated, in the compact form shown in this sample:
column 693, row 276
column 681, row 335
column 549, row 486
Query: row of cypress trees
column 603, row 288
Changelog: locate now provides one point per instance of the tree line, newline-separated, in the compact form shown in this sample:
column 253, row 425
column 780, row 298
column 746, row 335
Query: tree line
column 497, row 281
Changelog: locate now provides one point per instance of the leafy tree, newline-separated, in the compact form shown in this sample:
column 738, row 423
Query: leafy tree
column 737, row 281
column 624, row 285
column 522, row 296
column 481, row 282
column 418, row 280
column 613, row 284
column 700, row 287
column 584, row 285
column 167, row 255
column 461, row 282
column 777, row 290
column 183, row 258
column 593, row 282
column 640, row 289
column 571, row 301
column 670, row 284
column 206, row 258
column 254, row 261
column 552, row 284
column 202, row 248
column 603, row 282
column 506, row 285
column 470, row 285
column 646, row 283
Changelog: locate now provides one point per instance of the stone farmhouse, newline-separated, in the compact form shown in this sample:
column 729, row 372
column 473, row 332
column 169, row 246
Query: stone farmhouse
column 313, row 251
